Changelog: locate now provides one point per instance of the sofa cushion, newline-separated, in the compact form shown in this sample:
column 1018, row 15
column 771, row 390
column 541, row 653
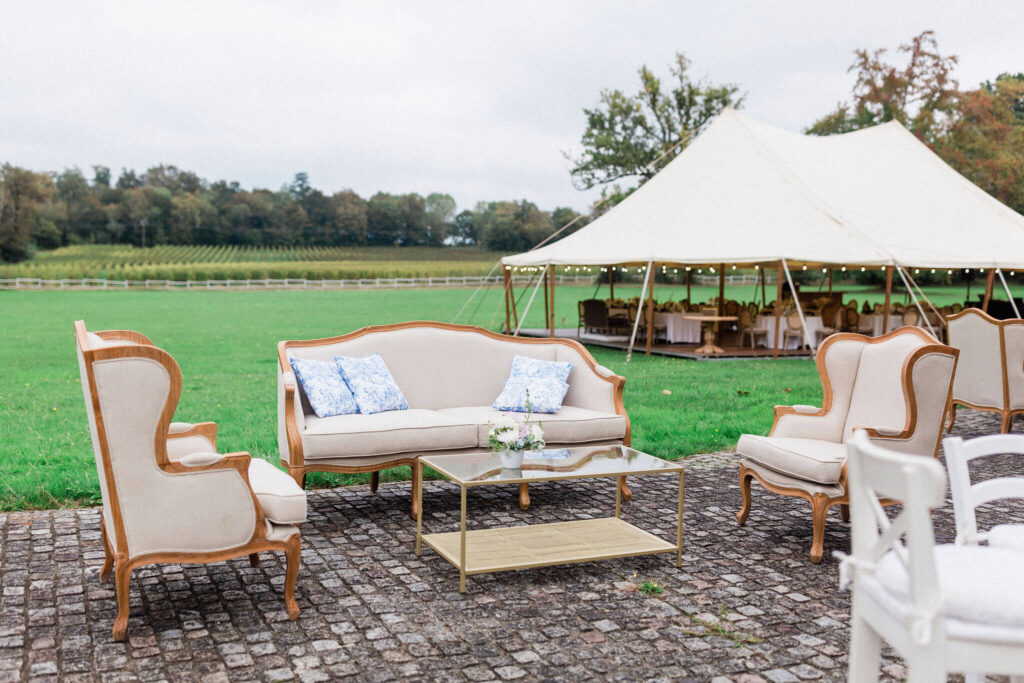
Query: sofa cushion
column 371, row 383
column 282, row 500
column 531, row 394
column 809, row 459
column 324, row 387
column 396, row 431
column 523, row 366
column 568, row 425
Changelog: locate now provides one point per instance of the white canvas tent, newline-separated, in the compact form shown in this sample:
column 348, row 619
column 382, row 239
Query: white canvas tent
column 745, row 192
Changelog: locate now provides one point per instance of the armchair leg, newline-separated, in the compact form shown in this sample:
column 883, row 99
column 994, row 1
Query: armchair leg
column 374, row 481
column 745, row 477
column 844, row 513
column 819, row 505
column 292, row 555
column 627, row 495
column 108, row 555
column 122, row 577
column 524, row 496
column 1007, row 423
column 952, row 417
column 254, row 559
column 299, row 475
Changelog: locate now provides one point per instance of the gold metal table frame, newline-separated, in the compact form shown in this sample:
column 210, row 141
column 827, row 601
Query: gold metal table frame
column 482, row 551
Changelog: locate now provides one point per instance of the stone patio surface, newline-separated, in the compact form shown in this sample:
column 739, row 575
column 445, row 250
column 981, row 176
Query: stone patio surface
column 747, row 605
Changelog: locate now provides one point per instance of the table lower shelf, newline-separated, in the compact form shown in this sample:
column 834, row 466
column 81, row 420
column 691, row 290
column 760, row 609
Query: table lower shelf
column 544, row 545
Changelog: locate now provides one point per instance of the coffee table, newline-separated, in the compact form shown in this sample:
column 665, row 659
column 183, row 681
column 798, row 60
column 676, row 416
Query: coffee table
column 483, row 551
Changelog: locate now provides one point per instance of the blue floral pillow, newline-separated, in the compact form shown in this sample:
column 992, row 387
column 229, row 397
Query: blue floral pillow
column 371, row 383
column 545, row 395
column 325, row 388
column 531, row 367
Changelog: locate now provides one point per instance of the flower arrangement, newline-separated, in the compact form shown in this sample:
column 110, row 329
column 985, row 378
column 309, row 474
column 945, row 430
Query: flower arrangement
column 511, row 435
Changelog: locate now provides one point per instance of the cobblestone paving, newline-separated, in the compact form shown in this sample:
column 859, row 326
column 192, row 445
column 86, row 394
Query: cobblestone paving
column 747, row 605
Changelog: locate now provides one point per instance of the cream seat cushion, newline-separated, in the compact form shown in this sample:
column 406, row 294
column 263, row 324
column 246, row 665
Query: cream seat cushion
column 807, row 459
column 396, row 431
column 569, row 425
column 979, row 585
column 282, row 500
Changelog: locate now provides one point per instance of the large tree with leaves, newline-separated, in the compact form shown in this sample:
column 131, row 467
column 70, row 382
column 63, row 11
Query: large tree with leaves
column 632, row 137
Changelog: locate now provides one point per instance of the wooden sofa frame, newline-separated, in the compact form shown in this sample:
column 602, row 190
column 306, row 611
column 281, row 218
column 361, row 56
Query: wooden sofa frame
column 300, row 468
column 820, row 502
column 1005, row 412
column 120, row 561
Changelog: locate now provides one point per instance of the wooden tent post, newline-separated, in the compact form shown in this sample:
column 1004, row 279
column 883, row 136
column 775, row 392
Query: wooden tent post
column 764, row 299
column 689, row 301
column 508, row 294
column 611, row 282
column 650, row 309
column 830, row 284
column 547, row 278
column 888, row 298
column 778, row 310
column 989, row 281
column 512, row 298
column 551, row 307
column 721, row 289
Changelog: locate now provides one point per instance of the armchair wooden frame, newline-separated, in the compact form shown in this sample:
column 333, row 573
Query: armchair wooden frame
column 1005, row 412
column 821, row 503
column 116, row 556
column 298, row 467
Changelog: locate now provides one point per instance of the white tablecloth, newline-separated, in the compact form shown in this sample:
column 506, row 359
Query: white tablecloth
column 876, row 322
column 767, row 322
column 678, row 329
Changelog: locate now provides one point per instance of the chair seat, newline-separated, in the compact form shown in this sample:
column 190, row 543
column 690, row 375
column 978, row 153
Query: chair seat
column 808, row 459
column 1009, row 536
column 282, row 500
column 979, row 585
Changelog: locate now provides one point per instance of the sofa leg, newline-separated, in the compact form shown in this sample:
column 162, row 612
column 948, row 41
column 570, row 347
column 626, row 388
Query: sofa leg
column 108, row 555
column 374, row 481
column 627, row 495
column 254, row 559
column 524, row 496
column 745, row 477
column 819, row 506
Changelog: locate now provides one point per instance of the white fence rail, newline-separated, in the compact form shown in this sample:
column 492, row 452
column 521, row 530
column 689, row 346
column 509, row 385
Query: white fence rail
column 364, row 283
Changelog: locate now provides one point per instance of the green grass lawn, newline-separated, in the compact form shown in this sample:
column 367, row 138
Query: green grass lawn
column 225, row 343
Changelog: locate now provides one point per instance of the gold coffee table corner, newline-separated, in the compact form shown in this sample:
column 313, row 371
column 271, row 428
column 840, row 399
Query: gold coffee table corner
column 483, row 551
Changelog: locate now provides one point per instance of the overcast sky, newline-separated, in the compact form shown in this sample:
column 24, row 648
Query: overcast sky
column 478, row 99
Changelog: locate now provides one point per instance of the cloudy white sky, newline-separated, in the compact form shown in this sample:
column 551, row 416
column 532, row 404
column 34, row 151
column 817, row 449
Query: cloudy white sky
column 478, row 99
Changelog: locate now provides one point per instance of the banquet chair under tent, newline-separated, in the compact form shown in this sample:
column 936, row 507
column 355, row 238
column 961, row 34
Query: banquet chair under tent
column 748, row 328
column 967, row 497
column 943, row 608
column 794, row 328
column 174, row 498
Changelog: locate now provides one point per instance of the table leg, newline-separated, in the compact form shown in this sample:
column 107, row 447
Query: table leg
column 462, row 544
column 710, row 333
column 679, row 522
column 618, row 495
column 418, row 494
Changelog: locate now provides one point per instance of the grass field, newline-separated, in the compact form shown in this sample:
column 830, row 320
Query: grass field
column 225, row 343
column 124, row 262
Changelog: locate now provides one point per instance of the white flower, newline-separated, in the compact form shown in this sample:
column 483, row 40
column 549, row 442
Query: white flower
column 536, row 432
column 507, row 437
column 503, row 422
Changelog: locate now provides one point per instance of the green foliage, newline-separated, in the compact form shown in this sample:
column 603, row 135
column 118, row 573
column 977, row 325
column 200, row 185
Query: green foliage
column 634, row 136
column 650, row 588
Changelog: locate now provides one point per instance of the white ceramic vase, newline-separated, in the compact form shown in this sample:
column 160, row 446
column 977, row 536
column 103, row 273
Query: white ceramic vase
column 512, row 460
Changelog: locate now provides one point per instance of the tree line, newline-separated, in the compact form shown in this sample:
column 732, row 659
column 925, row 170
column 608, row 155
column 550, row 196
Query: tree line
column 168, row 205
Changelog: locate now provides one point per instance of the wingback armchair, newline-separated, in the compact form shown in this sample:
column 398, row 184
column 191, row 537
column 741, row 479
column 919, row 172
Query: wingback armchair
column 896, row 387
column 168, row 495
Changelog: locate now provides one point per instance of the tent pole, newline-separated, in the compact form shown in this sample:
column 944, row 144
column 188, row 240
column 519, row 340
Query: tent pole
column 636, row 321
column 512, row 296
column 688, row 299
column 611, row 282
column 917, row 303
column 888, row 298
column 1013, row 303
column 526, row 310
column 926, row 299
column 764, row 300
column 547, row 276
column 650, row 308
column 778, row 310
column 989, row 280
column 551, row 308
column 830, row 284
column 721, row 288
column 799, row 310
column 508, row 291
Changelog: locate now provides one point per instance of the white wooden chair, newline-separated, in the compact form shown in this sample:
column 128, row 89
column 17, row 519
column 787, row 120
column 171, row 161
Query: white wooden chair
column 168, row 495
column 968, row 497
column 946, row 608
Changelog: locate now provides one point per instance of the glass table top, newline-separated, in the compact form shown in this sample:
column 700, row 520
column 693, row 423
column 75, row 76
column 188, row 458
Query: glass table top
column 478, row 469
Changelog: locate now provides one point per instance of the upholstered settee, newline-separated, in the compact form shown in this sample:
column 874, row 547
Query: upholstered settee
column 450, row 376
column 896, row 387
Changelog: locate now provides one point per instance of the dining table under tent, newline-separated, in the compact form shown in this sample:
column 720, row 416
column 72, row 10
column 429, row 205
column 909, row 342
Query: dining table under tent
column 747, row 194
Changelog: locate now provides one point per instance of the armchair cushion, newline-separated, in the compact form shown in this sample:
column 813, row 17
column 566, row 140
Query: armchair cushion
column 807, row 459
column 371, row 383
column 282, row 500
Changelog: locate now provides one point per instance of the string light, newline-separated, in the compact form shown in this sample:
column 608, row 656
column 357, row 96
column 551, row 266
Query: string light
column 843, row 269
column 824, row 270
column 805, row 267
column 862, row 269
